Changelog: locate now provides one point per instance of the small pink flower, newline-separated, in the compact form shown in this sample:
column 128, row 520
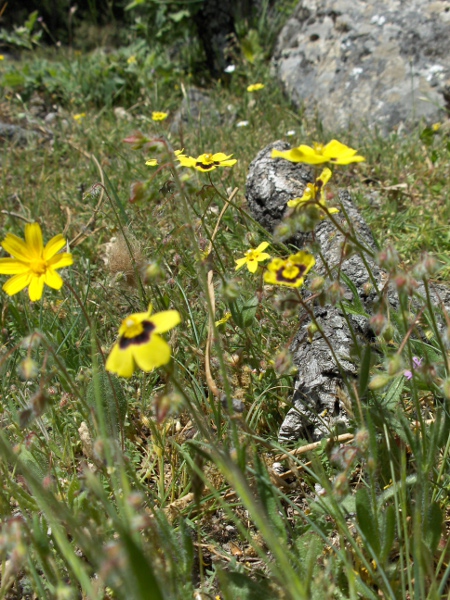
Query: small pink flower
column 417, row 363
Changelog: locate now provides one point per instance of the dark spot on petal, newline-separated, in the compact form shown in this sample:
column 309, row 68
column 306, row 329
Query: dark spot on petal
column 142, row 338
column 207, row 167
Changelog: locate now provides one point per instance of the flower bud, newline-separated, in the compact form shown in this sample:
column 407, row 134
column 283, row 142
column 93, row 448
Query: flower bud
column 378, row 322
column 335, row 292
column 388, row 259
column 28, row 369
column 388, row 334
column 153, row 273
column 446, row 388
column 395, row 365
column 317, row 284
column 362, row 440
column 379, row 381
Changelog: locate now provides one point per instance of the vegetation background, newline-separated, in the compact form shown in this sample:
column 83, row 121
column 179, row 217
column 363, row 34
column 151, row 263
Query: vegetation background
column 153, row 487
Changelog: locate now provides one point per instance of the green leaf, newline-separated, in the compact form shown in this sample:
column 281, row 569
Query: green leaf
column 30, row 22
column 244, row 311
column 140, row 575
column 13, row 80
column 354, row 307
column 237, row 586
column 112, row 400
column 388, row 532
column 179, row 16
column 394, row 392
column 366, row 520
column 364, row 372
column 433, row 526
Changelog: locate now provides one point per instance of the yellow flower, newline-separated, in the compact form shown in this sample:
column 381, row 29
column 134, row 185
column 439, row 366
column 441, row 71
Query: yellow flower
column 290, row 272
column 31, row 264
column 2, row 57
column 159, row 116
column 314, row 196
column 79, row 116
column 253, row 257
column 226, row 317
column 334, row 152
column 255, row 87
column 151, row 162
column 132, row 60
column 207, row 162
column 139, row 343
column 436, row 126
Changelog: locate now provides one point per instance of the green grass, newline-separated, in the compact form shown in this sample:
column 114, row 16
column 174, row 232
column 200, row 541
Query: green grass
column 111, row 487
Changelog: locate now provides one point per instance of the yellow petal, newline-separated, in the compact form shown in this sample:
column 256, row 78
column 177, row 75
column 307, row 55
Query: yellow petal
column 16, row 247
column 220, row 156
column 165, row 320
column 53, row 279
column 186, row 161
column 59, row 261
column 346, row 160
column 120, row 361
column 56, row 244
column 33, row 238
column 228, row 163
column 240, row 262
column 325, row 176
column 298, row 155
column 11, row 266
column 263, row 256
column 36, row 287
column 152, row 355
column 252, row 265
column 17, row 283
column 262, row 246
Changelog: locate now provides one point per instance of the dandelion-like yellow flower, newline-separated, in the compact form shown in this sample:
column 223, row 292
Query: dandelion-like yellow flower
column 207, row 162
column 314, row 196
column 290, row 272
column 139, row 343
column 2, row 57
column 131, row 60
column 79, row 116
column 151, row 162
column 334, row 152
column 253, row 257
column 255, row 87
column 31, row 264
column 159, row 116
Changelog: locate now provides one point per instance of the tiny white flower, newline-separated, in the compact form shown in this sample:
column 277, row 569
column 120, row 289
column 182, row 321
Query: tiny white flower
column 242, row 124
column 290, row 132
column 230, row 69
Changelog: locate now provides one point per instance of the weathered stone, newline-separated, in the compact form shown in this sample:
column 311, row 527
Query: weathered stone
column 196, row 106
column 327, row 362
column 374, row 62
column 16, row 134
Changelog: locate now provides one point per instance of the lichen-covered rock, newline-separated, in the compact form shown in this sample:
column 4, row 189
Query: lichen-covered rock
column 379, row 62
column 328, row 360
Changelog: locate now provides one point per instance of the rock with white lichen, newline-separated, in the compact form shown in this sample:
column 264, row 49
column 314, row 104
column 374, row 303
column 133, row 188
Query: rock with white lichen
column 376, row 62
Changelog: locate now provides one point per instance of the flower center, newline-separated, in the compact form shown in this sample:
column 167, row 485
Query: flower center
column 134, row 332
column 252, row 254
column 132, row 327
column 38, row 266
column 318, row 148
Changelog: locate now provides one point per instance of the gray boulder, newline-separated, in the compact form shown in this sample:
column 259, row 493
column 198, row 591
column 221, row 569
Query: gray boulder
column 379, row 63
